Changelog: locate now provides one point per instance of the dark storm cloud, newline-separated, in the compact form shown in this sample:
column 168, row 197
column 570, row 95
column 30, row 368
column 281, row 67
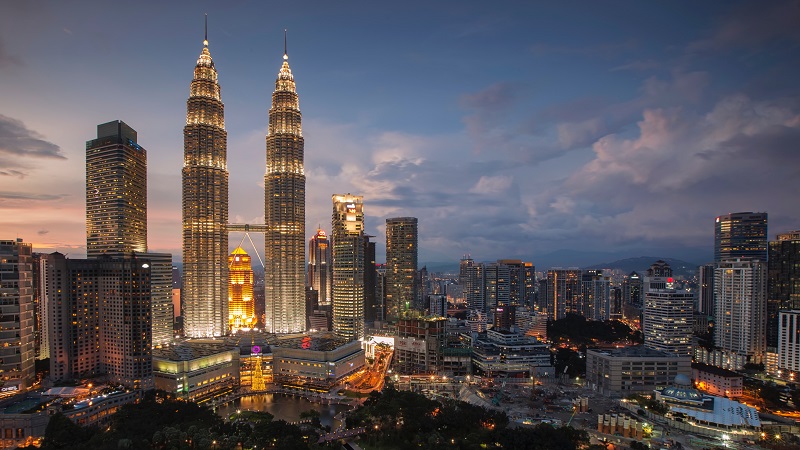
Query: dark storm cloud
column 18, row 143
column 753, row 25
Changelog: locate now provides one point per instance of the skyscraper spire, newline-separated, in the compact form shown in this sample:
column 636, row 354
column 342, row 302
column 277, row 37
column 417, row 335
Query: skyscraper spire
column 284, row 209
column 285, row 53
column 205, row 38
column 205, row 204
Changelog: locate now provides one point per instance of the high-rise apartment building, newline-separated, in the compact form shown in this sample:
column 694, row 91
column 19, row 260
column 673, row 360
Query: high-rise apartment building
column 740, row 235
column 17, row 353
column 41, row 299
column 205, row 205
column 596, row 294
column 470, row 277
column 371, row 303
column 100, row 318
column 401, row 265
column 521, row 277
column 285, row 209
column 318, row 274
column 241, row 305
column 632, row 290
column 783, row 288
column 563, row 292
column 789, row 340
column 496, row 285
column 116, row 191
column 741, row 306
column 347, row 225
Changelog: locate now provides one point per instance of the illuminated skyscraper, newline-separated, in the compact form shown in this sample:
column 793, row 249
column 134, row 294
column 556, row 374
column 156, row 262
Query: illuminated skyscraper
column 783, row 287
column 563, row 292
column 401, row 265
column 347, row 224
column 205, row 205
column 116, row 191
column 285, row 210
column 740, row 235
column 241, row 308
column 319, row 266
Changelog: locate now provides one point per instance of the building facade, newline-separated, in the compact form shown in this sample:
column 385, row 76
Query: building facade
column 563, row 292
column 789, row 341
column 630, row 370
column 116, row 191
column 17, row 352
column 741, row 308
column 419, row 344
column 241, row 304
column 347, row 223
column 205, row 205
column 705, row 289
column 783, row 284
column 318, row 274
column 401, row 266
column 668, row 321
column 285, row 210
column 740, row 235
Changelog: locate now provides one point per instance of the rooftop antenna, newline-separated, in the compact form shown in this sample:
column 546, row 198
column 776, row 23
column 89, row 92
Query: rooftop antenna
column 205, row 38
column 285, row 53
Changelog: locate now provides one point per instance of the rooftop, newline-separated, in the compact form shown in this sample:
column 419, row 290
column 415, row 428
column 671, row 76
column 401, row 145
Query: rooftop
column 715, row 370
column 189, row 350
column 638, row 351
column 321, row 342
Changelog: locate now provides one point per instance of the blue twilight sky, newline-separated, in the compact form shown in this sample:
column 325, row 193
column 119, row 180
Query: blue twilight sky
column 510, row 129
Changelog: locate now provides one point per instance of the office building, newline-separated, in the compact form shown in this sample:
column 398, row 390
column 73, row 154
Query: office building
column 205, row 205
column 316, row 362
column 116, row 191
column 419, row 345
column 740, row 235
column 741, row 307
column 508, row 354
column 241, row 305
column 632, row 290
column 401, row 265
column 347, row 223
column 371, row 303
column 285, row 210
column 668, row 313
column 496, row 285
column 783, row 286
column 17, row 352
column 633, row 370
column 318, row 275
column 705, row 289
column 563, row 292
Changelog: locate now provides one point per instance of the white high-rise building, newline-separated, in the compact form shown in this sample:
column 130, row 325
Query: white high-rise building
column 740, row 295
column 668, row 313
column 16, row 291
column 789, row 341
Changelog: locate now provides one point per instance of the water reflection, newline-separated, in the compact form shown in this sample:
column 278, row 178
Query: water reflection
column 283, row 407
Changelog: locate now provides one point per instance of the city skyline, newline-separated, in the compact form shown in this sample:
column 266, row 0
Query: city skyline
column 558, row 127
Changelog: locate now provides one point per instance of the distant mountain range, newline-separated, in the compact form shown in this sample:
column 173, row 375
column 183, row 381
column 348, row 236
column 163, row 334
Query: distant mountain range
column 641, row 264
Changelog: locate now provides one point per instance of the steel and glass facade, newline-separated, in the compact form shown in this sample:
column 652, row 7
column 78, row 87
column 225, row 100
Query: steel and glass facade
column 740, row 235
column 347, row 223
column 401, row 265
column 116, row 191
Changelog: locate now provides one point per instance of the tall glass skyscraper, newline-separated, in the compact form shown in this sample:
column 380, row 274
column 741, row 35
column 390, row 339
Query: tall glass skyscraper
column 347, row 223
column 285, row 210
column 783, row 288
column 205, row 205
column 116, row 191
column 401, row 265
column 319, row 266
column 740, row 235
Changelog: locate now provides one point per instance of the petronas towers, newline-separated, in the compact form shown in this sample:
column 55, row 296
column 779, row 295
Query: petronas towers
column 205, row 208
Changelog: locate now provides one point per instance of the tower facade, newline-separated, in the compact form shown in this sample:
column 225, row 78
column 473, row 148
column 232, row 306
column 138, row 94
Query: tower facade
column 241, row 306
column 285, row 210
column 318, row 276
column 401, row 265
column 740, row 235
column 783, row 289
column 116, row 191
column 205, row 205
column 563, row 292
column 741, row 307
column 347, row 223
column 16, row 290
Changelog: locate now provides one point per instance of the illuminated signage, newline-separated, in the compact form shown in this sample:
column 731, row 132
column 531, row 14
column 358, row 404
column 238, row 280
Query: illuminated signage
column 255, row 350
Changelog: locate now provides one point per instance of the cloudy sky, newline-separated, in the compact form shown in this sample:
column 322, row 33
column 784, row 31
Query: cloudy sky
column 510, row 129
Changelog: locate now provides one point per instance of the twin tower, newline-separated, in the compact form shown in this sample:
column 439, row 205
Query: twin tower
column 205, row 207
